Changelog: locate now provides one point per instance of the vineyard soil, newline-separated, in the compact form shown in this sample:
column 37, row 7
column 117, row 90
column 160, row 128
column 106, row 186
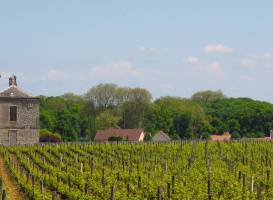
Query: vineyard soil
column 10, row 185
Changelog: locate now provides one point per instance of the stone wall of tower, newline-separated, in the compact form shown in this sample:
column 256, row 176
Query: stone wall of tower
column 27, row 124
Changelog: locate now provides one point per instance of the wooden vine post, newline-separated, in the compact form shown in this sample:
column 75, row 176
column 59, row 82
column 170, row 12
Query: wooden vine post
column 259, row 192
column 1, row 184
column 33, row 183
column 169, row 190
column 159, row 196
column 4, row 195
column 128, row 190
column 112, row 193
column 209, row 181
column 139, row 182
column 85, row 188
column 173, row 184
column 69, row 182
column 91, row 165
column 54, row 195
column 244, row 185
column 42, row 187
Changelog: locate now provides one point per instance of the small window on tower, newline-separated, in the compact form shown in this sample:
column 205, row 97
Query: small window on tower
column 13, row 113
column 30, row 105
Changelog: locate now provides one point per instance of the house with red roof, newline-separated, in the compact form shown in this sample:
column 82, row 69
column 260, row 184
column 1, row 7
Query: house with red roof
column 225, row 137
column 132, row 135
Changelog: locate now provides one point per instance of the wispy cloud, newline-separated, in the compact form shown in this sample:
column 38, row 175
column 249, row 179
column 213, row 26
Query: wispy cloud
column 247, row 62
column 56, row 75
column 245, row 78
column 217, row 48
column 253, row 60
column 116, row 70
column 192, row 60
column 213, row 67
column 149, row 50
column 267, row 55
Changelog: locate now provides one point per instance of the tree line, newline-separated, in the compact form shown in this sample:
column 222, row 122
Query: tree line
column 78, row 117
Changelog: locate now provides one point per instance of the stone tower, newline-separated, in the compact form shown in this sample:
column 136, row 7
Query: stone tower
column 19, row 116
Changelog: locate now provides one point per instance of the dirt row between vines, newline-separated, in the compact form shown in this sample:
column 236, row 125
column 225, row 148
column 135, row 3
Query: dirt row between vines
column 11, row 187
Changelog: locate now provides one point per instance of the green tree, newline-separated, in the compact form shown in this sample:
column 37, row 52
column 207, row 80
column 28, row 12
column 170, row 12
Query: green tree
column 233, row 126
column 183, row 125
column 106, row 120
column 68, row 124
column 103, row 95
column 207, row 96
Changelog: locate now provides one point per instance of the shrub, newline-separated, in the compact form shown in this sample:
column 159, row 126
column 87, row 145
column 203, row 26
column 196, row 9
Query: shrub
column 235, row 135
column 114, row 138
column 148, row 137
column 205, row 135
column 48, row 136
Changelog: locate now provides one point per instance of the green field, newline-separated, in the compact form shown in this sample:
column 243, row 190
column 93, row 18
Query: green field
column 180, row 170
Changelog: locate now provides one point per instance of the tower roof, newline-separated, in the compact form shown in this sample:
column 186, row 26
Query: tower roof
column 13, row 90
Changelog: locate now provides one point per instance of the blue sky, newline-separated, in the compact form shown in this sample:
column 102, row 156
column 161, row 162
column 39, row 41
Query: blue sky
column 169, row 47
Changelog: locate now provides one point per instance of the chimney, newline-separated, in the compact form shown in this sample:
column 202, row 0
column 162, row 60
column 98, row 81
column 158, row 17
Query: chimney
column 12, row 81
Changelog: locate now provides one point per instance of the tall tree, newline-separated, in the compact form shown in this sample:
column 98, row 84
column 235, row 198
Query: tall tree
column 135, row 108
column 206, row 96
column 103, row 95
column 106, row 120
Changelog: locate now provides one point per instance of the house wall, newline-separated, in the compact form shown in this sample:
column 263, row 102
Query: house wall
column 141, row 138
column 160, row 138
column 27, row 124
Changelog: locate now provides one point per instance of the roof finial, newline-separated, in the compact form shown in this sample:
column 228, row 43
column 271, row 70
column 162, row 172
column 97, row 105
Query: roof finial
column 12, row 81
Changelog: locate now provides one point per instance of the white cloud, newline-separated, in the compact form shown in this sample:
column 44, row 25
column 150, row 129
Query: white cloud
column 215, row 67
column 149, row 50
column 212, row 68
column 56, row 74
column 217, row 48
column 245, row 78
column 192, row 60
column 120, row 69
column 253, row 60
column 267, row 56
column 248, row 62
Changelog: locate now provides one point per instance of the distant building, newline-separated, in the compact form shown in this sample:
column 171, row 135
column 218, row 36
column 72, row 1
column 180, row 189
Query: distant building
column 225, row 137
column 133, row 135
column 161, row 137
column 19, row 116
column 270, row 136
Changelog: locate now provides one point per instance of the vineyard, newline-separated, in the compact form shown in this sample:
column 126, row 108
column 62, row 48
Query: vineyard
column 179, row 170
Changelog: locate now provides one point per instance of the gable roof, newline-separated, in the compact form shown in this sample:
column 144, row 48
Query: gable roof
column 130, row 134
column 163, row 135
column 13, row 91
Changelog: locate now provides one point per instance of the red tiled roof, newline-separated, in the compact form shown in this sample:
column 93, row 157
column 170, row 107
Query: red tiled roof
column 224, row 137
column 130, row 134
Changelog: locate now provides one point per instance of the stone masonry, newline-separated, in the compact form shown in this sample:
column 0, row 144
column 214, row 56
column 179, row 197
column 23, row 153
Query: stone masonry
column 23, row 129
